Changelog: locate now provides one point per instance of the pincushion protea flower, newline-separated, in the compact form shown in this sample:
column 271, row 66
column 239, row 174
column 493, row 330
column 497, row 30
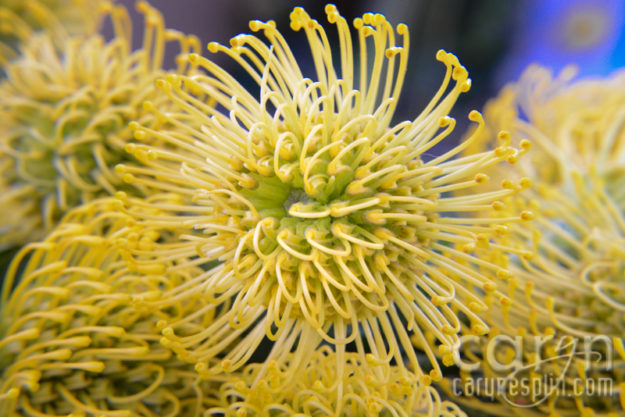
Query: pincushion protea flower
column 325, row 218
column 20, row 19
column 386, row 393
column 577, row 126
column 74, row 339
column 65, row 114
column 570, row 286
column 566, row 296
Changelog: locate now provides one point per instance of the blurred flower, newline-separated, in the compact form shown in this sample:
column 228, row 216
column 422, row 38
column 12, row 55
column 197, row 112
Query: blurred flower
column 74, row 339
column 570, row 285
column 19, row 20
column 328, row 221
column 64, row 118
column 365, row 392
column 576, row 125
column 554, row 33
column 567, row 294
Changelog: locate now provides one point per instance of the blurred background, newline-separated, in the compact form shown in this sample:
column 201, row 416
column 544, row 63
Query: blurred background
column 494, row 39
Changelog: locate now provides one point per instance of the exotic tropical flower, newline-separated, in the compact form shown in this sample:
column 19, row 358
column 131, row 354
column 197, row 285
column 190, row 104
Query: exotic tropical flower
column 568, row 299
column 381, row 392
column 74, row 339
column 567, row 294
column 64, row 118
column 577, row 126
column 327, row 220
column 19, row 19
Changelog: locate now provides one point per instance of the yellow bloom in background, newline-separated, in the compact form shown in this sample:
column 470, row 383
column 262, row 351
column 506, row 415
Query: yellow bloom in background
column 384, row 392
column 568, row 290
column 64, row 119
column 567, row 297
column 74, row 339
column 576, row 125
column 20, row 19
column 326, row 219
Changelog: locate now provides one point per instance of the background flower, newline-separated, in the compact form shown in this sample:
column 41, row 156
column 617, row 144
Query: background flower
column 65, row 115
column 75, row 338
column 570, row 284
column 19, row 20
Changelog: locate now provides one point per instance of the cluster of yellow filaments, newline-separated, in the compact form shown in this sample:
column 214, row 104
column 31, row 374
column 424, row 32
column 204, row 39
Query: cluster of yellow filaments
column 318, row 218
column 569, row 290
column 74, row 340
column 14, row 226
column 365, row 392
column 20, row 19
column 65, row 113
column 575, row 125
column 298, row 221
column 568, row 299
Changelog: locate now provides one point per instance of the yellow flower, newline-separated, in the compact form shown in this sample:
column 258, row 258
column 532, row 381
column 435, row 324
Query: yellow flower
column 579, row 232
column 568, row 288
column 74, row 337
column 65, row 114
column 329, row 221
column 19, row 19
column 575, row 125
column 566, row 296
column 363, row 392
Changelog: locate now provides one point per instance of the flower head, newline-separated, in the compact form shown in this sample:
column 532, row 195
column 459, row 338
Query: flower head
column 74, row 337
column 21, row 19
column 577, row 170
column 65, row 114
column 576, row 125
column 566, row 295
column 568, row 287
column 327, row 220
